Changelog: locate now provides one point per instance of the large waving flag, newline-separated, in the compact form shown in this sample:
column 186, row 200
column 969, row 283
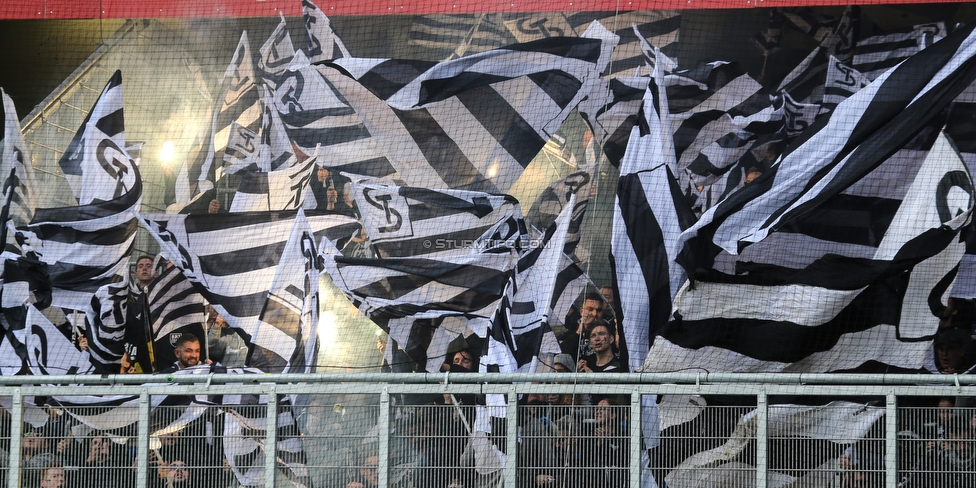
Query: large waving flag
column 108, row 320
column 405, row 221
column 876, row 54
column 88, row 246
column 317, row 117
column 445, row 260
column 239, row 107
column 234, row 261
column 472, row 123
column 16, row 168
column 649, row 215
column 95, row 163
column 323, row 43
column 861, row 133
column 174, row 307
column 824, row 294
column 805, row 82
column 276, row 53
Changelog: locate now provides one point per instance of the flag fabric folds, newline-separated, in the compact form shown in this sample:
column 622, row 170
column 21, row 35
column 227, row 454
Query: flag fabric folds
column 234, row 261
column 87, row 246
column 649, row 215
column 174, row 307
column 472, row 123
column 95, row 163
column 428, row 287
column 16, row 168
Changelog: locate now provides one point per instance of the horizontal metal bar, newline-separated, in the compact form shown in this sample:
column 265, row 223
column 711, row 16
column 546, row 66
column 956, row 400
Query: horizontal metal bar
column 508, row 378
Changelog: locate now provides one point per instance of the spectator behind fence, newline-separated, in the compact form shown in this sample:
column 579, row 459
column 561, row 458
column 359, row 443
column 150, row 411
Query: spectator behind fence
column 952, row 351
column 576, row 340
column 52, row 476
column 368, row 475
column 603, row 359
column 537, row 466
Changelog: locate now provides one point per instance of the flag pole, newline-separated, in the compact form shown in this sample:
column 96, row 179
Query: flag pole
column 8, row 193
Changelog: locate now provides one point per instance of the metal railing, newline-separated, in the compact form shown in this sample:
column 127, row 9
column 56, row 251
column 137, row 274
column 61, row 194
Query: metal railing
column 372, row 429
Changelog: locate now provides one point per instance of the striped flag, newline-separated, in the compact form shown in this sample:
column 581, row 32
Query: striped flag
column 649, row 215
column 404, row 221
column 49, row 350
column 831, row 176
column 554, row 199
column 842, row 83
column 235, row 259
column 25, row 285
column 95, row 163
column 237, row 115
column 323, row 43
column 473, row 123
column 282, row 189
column 174, row 307
column 107, row 318
column 876, row 54
column 446, row 259
column 276, row 54
column 448, row 36
column 88, row 246
column 612, row 112
column 858, row 278
column 316, row 116
column 85, row 247
column 537, row 281
column 814, row 437
column 658, row 27
column 16, row 169
column 860, row 134
column 805, row 82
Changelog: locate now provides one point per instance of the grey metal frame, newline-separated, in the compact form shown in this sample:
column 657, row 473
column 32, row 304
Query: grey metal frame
column 633, row 385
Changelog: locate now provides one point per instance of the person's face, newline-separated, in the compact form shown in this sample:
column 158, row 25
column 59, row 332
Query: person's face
column 144, row 271
column 464, row 359
column 600, row 339
column 53, row 478
column 177, row 472
column 33, row 442
column 559, row 368
column 322, row 174
column 592, row 309
column 607, row 293
column 946, row 410
column 951, row 359
column 370, row 470
column 170, row 439
column 603, row 412
column 100, row 448
column 188, row 354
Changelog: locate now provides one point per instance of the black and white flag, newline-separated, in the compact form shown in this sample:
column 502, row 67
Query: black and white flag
column 404, row 221
column 446, row 259
column 877, row 54
column 174, row 307
column 281, row 189
column 858, row 278
column 859, row 135
column 234, row 260
column 472, row 123
column 16, row 169
column 842, row 82
column 95, row 163
column 805, row 83
column 323, row 43
column 107, row 319
column 317, row 117
column 649, row 215
column 658, row 27
column 88, row 246
column 276, row 54
column 537, row 282
column 449, row 36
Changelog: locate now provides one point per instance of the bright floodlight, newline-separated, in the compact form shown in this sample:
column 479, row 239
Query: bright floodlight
column 168, row 152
